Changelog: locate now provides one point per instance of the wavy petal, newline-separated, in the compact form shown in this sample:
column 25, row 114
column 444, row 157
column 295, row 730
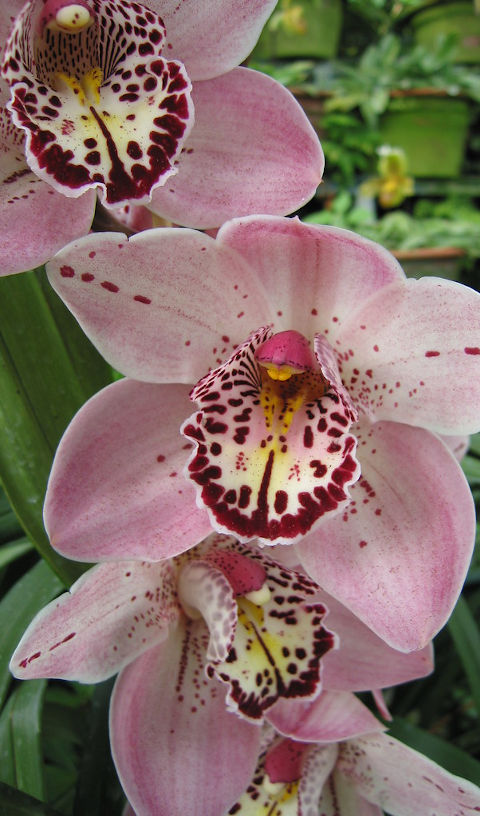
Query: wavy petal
column 149, row 325
column 252, row 149
column 212, row 36
column 266, row 661
column 333, row 716
column 416, row 355
column 116, row 490
column 271, row 457
column 399, row 554
column 402, row 781
column 99, row 104
column 52, row 219
column 112, row 614
column 335, row 270
column 176, row 747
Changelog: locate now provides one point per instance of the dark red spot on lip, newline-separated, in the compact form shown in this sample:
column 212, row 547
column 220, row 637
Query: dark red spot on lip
column 87, row 277
column 67, row 272
column 471, row 350
column 111, row 287
column 281, row 501
column 308, row 437
column 142, row 299
column 432, row 354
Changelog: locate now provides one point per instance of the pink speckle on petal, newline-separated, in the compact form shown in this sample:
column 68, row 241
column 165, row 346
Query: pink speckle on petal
column 142, row 299
column 432, row 354
column 362, row 544
column 67, row 272
column 471, row 350
column 87, row 277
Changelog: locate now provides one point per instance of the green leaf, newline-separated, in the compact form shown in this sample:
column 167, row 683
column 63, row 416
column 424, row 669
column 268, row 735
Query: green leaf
column 466, row 637
column 10, row 552
column 25, row 722
column 448, row 756
column 30, row 594
column 48, row 368
column 15, row 803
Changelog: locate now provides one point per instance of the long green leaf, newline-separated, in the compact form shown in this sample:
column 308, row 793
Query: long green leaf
column 39, row 586
column 26, row 717
column 48, row 368
column 465, row 635
column 16, row 803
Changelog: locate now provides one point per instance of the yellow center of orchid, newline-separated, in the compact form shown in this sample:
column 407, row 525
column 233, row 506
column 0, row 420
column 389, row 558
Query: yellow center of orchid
column 87, row 89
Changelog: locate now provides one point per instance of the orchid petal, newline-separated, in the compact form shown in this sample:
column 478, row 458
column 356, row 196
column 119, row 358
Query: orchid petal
column 398, row 556
column 165, row 716
column 116, row 489
column 111, row 615
column 148, row 325
column 340, row 798
column 266, row 661
column 251, row 149
column 271, row 458
column 287, row 794
column 335, row 270
column 99, row 105
column 52, row 220
column 404, row 782
column 364, row 661
column 429, row 377
column 459, row 445
column 204, row 589
column 316, row 774
column 212, row 36
column 333, row 716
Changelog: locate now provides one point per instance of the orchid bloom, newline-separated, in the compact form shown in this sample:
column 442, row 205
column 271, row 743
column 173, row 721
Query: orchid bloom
column 103, row 92
column 359, row 776
column 28, row 204
column 173, row 629
column 338, row 444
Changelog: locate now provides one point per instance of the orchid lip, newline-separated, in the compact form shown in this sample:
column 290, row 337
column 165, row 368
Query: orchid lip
column 273, row 454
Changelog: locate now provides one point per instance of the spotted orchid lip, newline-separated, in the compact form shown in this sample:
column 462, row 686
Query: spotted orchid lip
column 272, row 455
column 99, row 104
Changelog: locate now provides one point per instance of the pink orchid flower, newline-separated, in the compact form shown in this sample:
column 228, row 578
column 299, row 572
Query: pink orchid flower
column 359, row 776
column 173, row 629
column 52, row 219
column 103, row 92
column 340, row 445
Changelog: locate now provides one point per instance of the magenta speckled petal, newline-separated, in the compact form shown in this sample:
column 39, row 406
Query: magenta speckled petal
column 398, row 555
column 100, row 106
column 251, row 149
column 416, row 355
column 188, row 304
column 166, row 715
column 278, row 645
column 333, row 716
column 272, row 457
column 52, row 219
column 401, row 780
column 111, row 615
column 116, row 490
column 212, row 36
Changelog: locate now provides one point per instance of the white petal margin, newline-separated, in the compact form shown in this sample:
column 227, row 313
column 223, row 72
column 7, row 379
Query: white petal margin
column 111, row 615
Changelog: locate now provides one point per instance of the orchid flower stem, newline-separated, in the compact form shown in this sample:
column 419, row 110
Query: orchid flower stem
column 47, row 371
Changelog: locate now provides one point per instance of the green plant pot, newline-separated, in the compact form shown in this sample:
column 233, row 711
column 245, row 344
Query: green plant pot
column 457, row 18
column 323, row 24
column 441, row 262
column 431, row 130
